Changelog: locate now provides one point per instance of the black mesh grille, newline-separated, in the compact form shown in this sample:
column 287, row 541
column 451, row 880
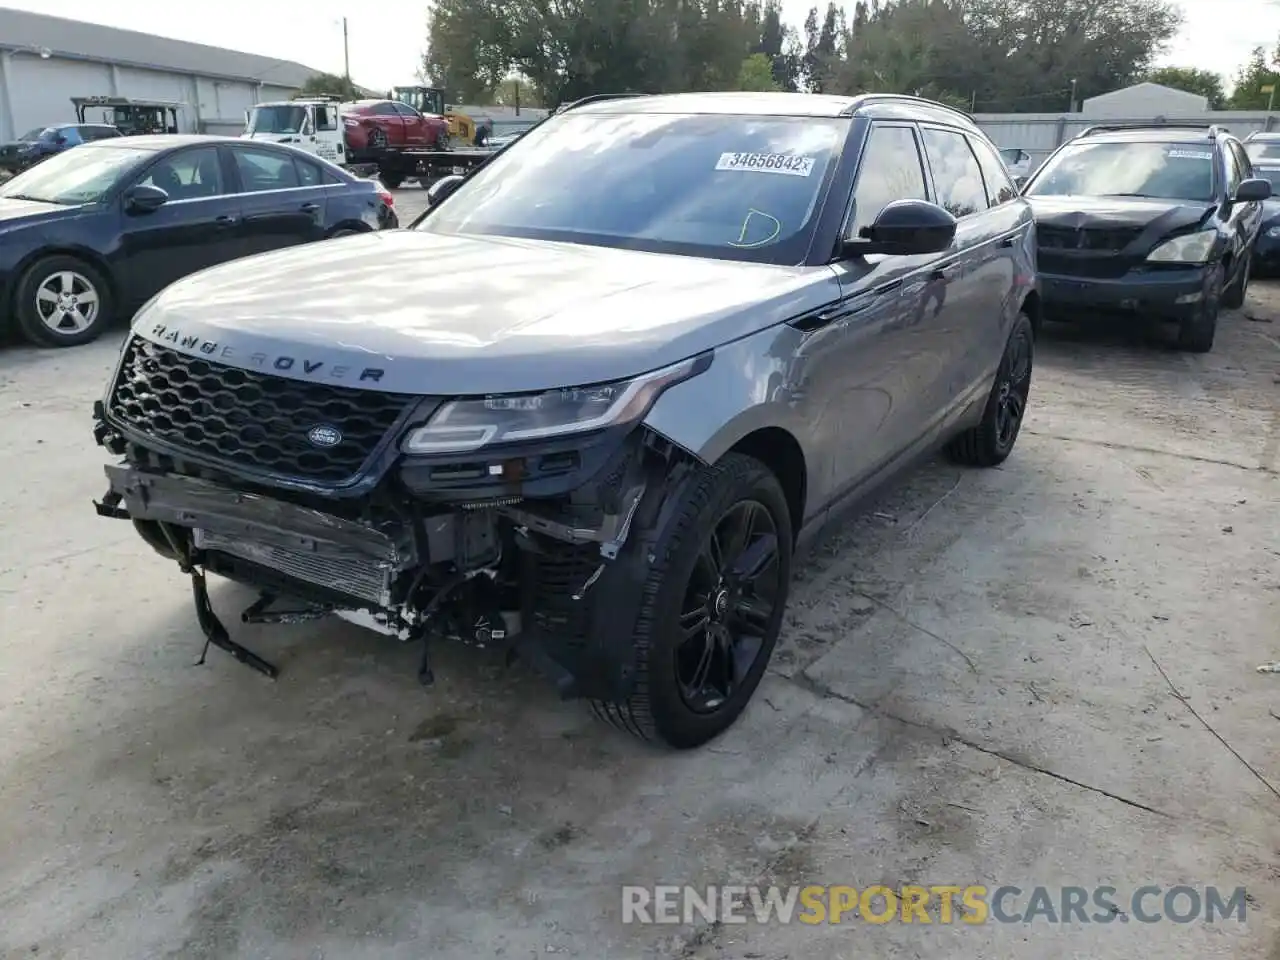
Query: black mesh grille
column 1112, row 239
column 251, row 419
column 1094, row 268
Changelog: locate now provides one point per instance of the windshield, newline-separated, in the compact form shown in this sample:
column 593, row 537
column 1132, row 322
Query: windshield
column 1271, row 175
column 1164, row 171
column 75, row 176
column 283, row 118
column 37, row 134
column 1263, row 149
column 730, row 187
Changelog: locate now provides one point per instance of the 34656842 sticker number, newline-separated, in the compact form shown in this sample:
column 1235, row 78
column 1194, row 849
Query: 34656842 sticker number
column 788, row 164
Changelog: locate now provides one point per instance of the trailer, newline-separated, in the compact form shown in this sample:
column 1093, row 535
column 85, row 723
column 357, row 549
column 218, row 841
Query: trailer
column 396, row 165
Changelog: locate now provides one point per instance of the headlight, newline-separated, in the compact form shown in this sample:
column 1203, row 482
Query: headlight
column 1273, row 232
column 467, row 424
column 348, row 122
column 1193, row 248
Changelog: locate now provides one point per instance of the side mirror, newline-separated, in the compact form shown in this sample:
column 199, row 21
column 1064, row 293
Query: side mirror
column 442, row 188
column 1253, row 189
column 144, row 198
column 906, row 228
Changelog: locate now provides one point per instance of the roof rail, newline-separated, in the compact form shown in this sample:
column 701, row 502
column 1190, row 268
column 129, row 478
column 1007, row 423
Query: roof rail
column 1212, row 130
column 594, row 98
column 863, row 98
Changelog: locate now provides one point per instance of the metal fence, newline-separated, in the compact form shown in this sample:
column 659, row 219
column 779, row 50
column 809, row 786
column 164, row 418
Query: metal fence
column 1039, row 134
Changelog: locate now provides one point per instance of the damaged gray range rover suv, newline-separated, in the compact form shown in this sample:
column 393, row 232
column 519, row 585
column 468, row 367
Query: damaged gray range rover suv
column 589, row 407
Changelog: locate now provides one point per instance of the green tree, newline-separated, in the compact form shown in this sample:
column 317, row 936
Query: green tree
column 468, row 49
column 1259, row 71
column 516, row 92
column 756, row 73
column 330, row 85
column 1205, row 83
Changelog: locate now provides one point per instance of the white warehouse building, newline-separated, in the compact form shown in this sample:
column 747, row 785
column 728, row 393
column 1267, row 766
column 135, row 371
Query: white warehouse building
column 45, row 61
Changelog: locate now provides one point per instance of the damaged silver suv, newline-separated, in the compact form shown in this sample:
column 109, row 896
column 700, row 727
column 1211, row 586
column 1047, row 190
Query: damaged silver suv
column 589, row 407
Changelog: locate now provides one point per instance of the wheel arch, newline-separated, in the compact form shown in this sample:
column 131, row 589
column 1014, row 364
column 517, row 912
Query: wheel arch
column 781, row 452
column 355, row 226
column 1033, row 307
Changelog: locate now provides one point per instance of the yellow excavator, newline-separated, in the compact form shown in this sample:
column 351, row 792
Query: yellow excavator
column 463, row 130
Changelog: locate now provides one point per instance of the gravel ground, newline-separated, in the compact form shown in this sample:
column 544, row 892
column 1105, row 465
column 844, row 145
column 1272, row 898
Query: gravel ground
column 968, row 690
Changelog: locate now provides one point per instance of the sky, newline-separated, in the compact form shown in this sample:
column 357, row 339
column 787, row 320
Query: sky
column 385, row 40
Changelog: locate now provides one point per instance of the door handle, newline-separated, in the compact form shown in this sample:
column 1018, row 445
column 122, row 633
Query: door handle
column 225, row 221
column 1007, row 242
column 310, row 207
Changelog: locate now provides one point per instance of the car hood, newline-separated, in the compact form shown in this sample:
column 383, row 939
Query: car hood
column 1166, row 216
column 13, row 212
column 1271, row 211
column 414, row 312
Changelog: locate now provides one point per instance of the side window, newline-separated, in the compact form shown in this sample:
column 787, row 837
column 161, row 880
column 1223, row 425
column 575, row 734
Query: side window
column 187, row 175
column 262, row 170
column 326, row 118
column 70, row 136
column 999, row 187
column 406, row 111
column 890, row 170
column 385, row 110
column 331, row 178
column 308, row 173
column 956, row 174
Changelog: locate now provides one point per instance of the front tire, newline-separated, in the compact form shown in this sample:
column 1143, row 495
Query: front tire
column 1196, row 334
column 712, row 607
column 61, row 301
column 991, row 441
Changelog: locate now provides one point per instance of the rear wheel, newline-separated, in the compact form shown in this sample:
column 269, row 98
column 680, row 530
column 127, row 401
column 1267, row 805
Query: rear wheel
column 1196, row 334
column 391, row 180
column 61, row 301
column 991, row 441
column 712, row 607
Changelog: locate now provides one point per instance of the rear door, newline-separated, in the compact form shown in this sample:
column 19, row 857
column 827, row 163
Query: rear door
column 964, row 327
column 196, row 228
column 282, row 198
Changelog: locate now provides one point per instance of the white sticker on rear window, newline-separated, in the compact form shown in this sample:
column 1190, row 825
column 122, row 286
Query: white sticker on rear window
column 785, row 163
column 1189, row 155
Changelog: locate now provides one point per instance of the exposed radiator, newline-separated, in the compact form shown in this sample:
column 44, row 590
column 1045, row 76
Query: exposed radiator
column 357, row 577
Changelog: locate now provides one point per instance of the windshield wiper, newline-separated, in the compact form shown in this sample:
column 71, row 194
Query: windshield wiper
column 27, row 196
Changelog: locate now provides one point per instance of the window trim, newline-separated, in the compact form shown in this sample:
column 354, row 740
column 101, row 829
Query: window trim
column 992, row 203
column 846, row 220
column 963, row 135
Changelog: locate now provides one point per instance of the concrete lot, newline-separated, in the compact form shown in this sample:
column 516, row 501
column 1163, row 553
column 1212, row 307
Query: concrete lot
column 966, row 692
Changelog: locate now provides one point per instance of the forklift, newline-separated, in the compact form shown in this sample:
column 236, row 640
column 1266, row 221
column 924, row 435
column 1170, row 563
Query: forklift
column 131, row 117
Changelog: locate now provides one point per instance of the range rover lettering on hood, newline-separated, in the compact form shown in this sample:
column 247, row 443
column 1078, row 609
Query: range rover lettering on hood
column 284, row 363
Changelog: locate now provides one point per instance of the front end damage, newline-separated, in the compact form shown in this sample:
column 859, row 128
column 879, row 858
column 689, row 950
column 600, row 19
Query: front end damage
column 312, row 494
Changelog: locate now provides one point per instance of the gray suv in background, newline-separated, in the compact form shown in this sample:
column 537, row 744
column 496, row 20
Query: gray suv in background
column 588, row 408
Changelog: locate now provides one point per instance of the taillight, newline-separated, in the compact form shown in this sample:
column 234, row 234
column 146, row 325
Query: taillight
column 386, row 196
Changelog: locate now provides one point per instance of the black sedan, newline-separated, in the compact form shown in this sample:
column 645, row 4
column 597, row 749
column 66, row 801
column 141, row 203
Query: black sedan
column 91, row 234
column 1266, row 250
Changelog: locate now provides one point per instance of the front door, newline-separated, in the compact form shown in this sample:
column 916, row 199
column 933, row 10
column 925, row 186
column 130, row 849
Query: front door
column 282, row 198
column 196, row 228
column 869, row 370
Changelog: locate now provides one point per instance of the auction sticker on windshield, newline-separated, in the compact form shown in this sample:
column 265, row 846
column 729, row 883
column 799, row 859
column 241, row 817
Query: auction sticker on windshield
column 785, row 163
column 1190, row 155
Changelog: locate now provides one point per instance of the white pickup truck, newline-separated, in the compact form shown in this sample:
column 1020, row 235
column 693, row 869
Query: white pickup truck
column 310, row 123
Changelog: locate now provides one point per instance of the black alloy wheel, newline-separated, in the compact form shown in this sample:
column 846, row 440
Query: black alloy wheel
column 729, row 606
column 1012, row 390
